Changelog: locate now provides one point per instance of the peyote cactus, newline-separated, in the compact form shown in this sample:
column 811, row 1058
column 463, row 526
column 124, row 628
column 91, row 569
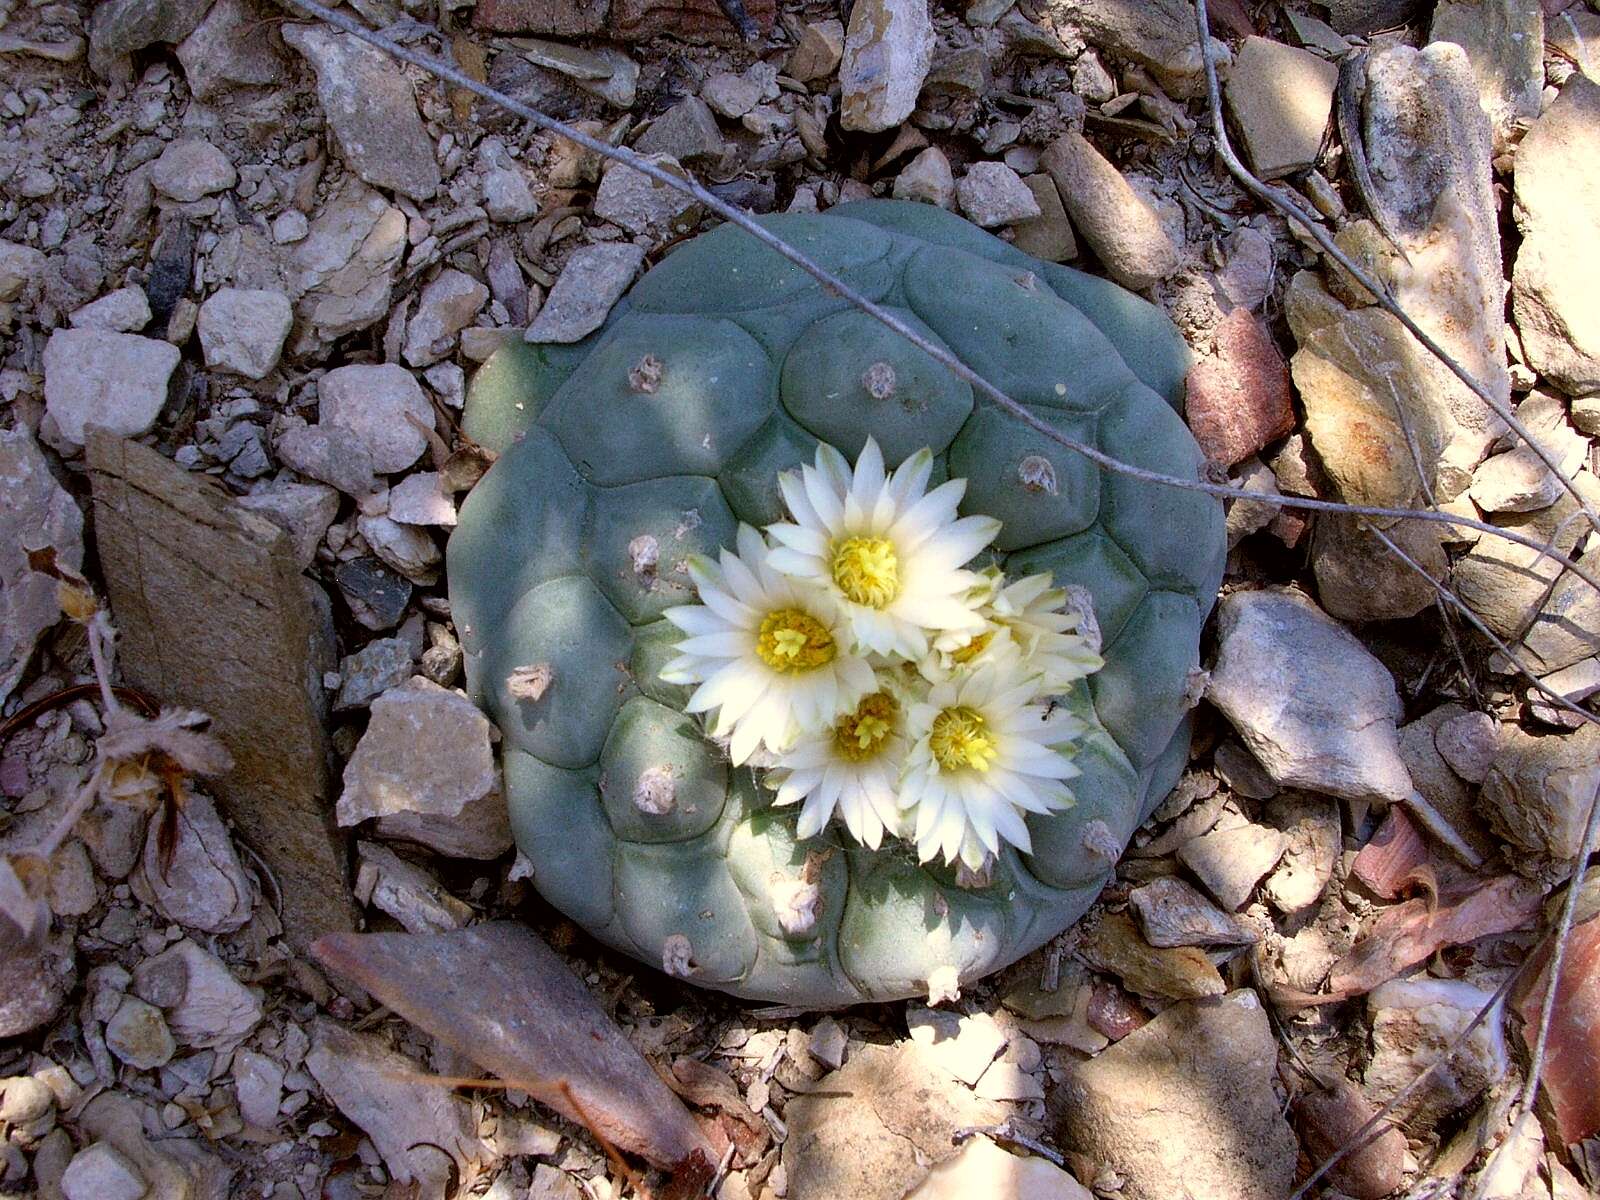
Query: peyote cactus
column 649, row 443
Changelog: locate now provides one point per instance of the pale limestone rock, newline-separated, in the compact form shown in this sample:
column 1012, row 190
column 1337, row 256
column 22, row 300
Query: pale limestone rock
column 1119, row 225
column 927, row 178
column 1413, row 1021
column 1187, row 1105
column 1309, row 701
column 888, row 51
column 425, row 770
column 117, row 381
column 243, row 330
column 1553, row 299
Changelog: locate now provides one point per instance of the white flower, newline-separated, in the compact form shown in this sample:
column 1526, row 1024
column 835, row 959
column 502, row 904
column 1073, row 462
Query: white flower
column 887, row 551
column 983, row 756
column 852, row 768
column 772, row 657
column 1027, row 622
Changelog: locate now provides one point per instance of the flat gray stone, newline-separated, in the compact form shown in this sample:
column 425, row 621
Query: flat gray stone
column 591, row 283
column 425, row 770
column 1280, row 98
column 1316, row 709
column 330, row 454
column 345, row 264
column 642, row 205
column 686, row 132
column 1172, row 913
column 1230, row 862
column 381, row 664
column 872, row 1129
column 991, row 194
column 190, row 169
column 102, row 1172
column 243, row 330
column 204, row 885
column 371, row 111
column 374, row 402
column 447, row 306
column 422, row 1131
column 36, row 513
column 420, row 499
column 232, row 48
column 116, row 381
column 125, row 310
column 302, row 510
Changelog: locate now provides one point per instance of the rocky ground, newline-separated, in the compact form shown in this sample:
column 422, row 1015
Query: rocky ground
column 267, row 255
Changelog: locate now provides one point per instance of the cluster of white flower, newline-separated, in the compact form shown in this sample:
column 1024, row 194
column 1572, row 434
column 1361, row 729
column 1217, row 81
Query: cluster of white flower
column 851, row 653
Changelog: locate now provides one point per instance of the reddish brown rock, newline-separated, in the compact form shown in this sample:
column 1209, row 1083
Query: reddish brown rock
column 564, row 18
column 701, row 21
column 1239, row 398
column 1329, row 1119
column 1573, row 1056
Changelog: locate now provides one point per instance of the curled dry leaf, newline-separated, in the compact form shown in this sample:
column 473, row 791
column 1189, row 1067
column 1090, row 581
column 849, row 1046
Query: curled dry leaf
column 175, row 733
column 1408, row 933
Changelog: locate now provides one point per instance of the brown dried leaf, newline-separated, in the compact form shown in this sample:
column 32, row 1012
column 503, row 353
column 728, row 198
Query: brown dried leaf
column 1408, row 933
column 473, row 60
column 467, row 464
column 706, row 1086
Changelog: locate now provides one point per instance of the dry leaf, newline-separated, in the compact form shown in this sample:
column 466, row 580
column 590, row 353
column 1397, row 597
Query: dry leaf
column 473, row 60
column 1408, row 933
column 173, row 732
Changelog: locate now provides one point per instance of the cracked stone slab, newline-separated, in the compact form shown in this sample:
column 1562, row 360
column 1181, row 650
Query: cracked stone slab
column 214, row 614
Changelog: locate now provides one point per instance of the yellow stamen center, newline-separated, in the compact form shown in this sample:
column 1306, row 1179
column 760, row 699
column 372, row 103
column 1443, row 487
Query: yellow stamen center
column 973, row 648
column 867, row 570
column 961, row 739
column 860, row 735
column 791, row 641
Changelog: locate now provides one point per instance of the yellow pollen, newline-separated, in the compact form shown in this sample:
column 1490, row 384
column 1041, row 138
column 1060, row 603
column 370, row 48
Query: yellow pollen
column 867, row 570
column 860, row 735
column 973, row 648
column 791, row 641
column 961, row 739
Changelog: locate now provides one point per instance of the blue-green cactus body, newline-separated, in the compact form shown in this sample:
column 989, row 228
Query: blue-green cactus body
column 651, row 440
